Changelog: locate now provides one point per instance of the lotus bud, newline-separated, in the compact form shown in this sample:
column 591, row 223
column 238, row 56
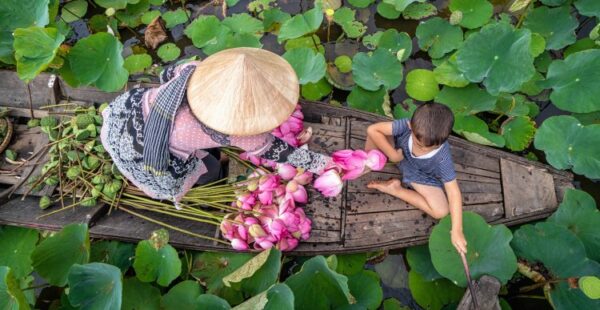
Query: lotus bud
column 375, row 160
column 286, row 171
column 329, row 183
column 239, row 244
column 256, row 231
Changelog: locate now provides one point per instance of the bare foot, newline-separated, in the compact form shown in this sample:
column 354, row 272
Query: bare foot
column 389, row 187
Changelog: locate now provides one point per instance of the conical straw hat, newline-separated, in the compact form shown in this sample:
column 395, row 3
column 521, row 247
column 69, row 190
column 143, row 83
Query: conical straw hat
column 243, row 91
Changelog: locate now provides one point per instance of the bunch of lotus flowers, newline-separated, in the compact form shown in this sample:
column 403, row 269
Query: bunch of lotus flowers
column 268, row 215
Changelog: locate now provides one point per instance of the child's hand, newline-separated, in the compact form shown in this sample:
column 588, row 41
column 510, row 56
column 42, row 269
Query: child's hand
column 458, row 241
column 396, row 157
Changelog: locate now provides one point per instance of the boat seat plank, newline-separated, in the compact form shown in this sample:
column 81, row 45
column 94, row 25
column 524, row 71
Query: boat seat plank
column 14, row 92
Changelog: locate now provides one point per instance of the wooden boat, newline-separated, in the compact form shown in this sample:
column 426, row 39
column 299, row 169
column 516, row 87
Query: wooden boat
column 500, row 186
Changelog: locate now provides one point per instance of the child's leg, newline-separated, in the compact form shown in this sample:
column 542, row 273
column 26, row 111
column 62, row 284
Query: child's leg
column 429, row 199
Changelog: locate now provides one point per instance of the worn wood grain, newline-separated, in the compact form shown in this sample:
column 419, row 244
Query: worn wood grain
column 14, row 92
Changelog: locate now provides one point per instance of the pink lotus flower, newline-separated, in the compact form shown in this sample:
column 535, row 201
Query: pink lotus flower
column 286, row 171
column 375, row 160
column 297, row 192
column 329, row 183
column 257, row 231
column 287, row 244
column 246, row 201
column 239, row 244
column 303, row 178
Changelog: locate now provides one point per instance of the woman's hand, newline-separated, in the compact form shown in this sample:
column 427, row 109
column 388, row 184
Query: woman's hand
column 458, row 241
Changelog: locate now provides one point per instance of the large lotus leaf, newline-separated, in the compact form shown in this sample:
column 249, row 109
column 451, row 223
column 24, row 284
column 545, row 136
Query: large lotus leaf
column 556, row 25
column 421, row 85
column 156, row 263
column 532, row 87
column 364, row 287
column 397, row 43
column 488, row 250
column 360, row 3
column 538, row 44
column 400, row 5
column 574, row 82
column 308, row 64
column 244, row 23
column 418, row 10
column 579, row 214
column 392, row 271
column 257, row 274
column 518, row 132
column 433, row 295
column 95, row 286
column 475, row 13
column 273, row 19
column 370, row 101
column 419, row 260
column 35, row 47
column 404, row 109
column 476, row 130
column 115, row 253
column 372, row 70
column 11, row 296
column 499, row 56
column 394, row 304
column 513, row 105
column 74, row 10
column 102, row 52
column 19, row 14
column 387, row 10
column 137, row 63
column 553, row 2
column 588, row 7
column 580, row 45
column 556, row 247
column 447, row 73
column 182, row 296
column 16, row 246
column 588, row 118
column 345, row 18
column 278, row 297
column 316, row 91
column 54, row 256
column 438, row 37
column 313, row 42
column 115, row 4
column 210, row 268
column 563, row 296
column 204, row 30
column 174, row 18
column 209, row 301
column 140, row 295
column 466, row 100
column 569, row 144
column 316, row 286
column 301, row 24
column 351, row 264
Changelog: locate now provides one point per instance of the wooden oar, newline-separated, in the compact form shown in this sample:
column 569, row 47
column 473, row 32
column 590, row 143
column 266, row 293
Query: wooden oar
column 468, row 274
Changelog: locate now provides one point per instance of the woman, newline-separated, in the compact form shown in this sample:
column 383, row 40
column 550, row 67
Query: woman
column 158, row 137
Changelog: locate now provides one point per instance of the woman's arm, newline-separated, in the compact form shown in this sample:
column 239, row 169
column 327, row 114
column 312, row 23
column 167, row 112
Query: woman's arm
column 378, row 134
column 455, row 204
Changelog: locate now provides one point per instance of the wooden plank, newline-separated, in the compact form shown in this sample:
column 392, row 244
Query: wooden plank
column 461, row 176
column 527, row 189
column 475, row 160
column 476, row 187
column 92, row 94
column 481, row 198
column 461, row 168
column 328, row 207
column 14, row 92
column 323, row 223
column 321, row 236
column 489, row 211
column 561, row 186
column 374, row 202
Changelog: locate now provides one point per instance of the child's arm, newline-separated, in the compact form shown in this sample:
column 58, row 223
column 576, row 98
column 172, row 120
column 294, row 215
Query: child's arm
column 455, row 205
column 377, row 133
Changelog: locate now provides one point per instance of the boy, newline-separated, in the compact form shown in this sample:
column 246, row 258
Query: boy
column 419, row 146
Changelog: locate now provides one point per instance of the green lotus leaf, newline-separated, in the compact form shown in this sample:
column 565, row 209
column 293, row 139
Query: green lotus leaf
column 115, row 4
column 518, row 132
column 556, row 25
column 370, row 101
column 466, row 100
column 74, row 10
column 364, row 287
column 212, row 267
column 279, row 296
column 345, row 18
column 343, row 81
column 95, row 286
column 301, row 24
column 258, row 274
column 419, row 260
column 244, row 23
column 421, row 85
column 387, row 10
column 392, row 271
column 137, row 63
column 361, row 4
column 396, row 43
column 98, row 23
column 19, row 14
column 588, row 118
column 329, row 4
column 11, row 296
column 35, row 48
column 139, row 295
column 343, row 63
column 475, row 13
column 563, row 296
column 168, row 52
column 433, row 294
column 438, row 37
column 447, row 73
column 204, row 30
column 532, row 87
column 400, row 5
column 149, row 16
column 16, row 246
column 580, row 45
column 538, row 44
column 55, row 255
column 488, row 250
column 394, row 304
column 273, row 19
column 151, row 263
column 132, row 15
column 376, row 69
column 513, row 105
column 404, row 109
column 316, row 286
column 539, row 243
column 553, row 2
column 316, row 91
column 588, row 7
column 231, row 3
column 182, row 296
column 590, row 286
column 569, row 144
column 579, row 214
column 114, row 253
column 309, row 65
column 418, row 10
column 476, row 130
column 574, row 82
column 499, row 56
column 209, row 301
column 313, row 42
column 174, row 18
column 102, row 52
column 543, row 61
column 351, row 264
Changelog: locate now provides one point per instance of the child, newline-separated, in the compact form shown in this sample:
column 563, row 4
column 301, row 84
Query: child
column 420, row 147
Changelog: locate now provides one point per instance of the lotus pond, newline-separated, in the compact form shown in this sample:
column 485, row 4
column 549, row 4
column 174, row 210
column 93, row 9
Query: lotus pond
column 518, row 74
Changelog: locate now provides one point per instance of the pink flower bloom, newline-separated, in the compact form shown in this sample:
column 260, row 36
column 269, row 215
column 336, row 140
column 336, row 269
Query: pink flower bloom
column 227, row 229
column 297, row 191
column 242, row 232
column 375, row 160
column 329, row 183
column 286, row 171
column 304, row 136
column 257, row 231
column 277, row 228
column 303, row 178
column 287, row 244
column 268, row 182
column 239, row 244
column 266, row 197
column 246, row 201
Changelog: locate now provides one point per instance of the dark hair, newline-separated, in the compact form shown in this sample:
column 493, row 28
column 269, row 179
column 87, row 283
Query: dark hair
column 432, row 123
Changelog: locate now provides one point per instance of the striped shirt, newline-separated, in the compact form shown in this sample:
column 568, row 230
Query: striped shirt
column 434, row 170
